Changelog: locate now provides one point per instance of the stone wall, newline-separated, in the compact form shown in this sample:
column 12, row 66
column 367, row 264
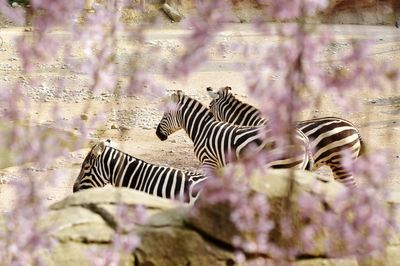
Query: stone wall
column 371, row 12
column 171, row 236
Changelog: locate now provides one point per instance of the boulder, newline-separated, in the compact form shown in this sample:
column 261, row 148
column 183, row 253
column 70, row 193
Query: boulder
column 171, row 12
column 172, row 236
column 215, row 220
column 87, row 219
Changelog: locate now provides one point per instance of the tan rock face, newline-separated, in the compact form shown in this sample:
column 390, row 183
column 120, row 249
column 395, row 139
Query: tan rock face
column 215, row 220
column 338, row 11
column 171, row 236
column 396, row 12
column 361, row 12
column 82, row 221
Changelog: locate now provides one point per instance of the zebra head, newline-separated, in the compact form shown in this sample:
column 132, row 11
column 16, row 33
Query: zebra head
column 88, row 177
column 219, row 100
column 170, row 121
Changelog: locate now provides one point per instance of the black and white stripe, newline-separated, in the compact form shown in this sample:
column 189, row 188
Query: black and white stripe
column 329, row 136
column 217, row 143
column 107, row 165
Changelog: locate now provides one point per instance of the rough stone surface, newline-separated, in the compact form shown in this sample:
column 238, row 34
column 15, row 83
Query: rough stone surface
column 110, row 195
column 171, row 12
column 215, row 220
column 338, row 11
column 78, row 228
column 179, row 246
column 327, row 262
column 73, row 254
column 171, row 236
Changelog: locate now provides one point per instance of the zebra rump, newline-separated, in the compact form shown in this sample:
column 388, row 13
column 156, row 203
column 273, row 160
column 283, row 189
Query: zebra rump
column 105, row 164
column 329, row 136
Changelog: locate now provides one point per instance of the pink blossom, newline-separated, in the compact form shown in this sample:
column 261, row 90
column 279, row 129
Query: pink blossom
column 22, row 236
column 17, row 15
column 54, row 13
column 291, row 9
column 210, row 19
column 142, row 83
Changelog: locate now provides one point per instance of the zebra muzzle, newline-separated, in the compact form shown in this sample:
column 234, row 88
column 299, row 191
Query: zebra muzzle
column 161, row 135
column 76, row 187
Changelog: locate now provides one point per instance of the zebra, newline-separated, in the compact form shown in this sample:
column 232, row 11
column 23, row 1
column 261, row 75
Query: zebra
column 329, row 136
column 105, row 164
column 218, row 143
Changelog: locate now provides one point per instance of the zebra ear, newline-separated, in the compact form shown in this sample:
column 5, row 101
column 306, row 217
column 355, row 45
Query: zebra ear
column 213, row 95
column 98, row 149
column 228, row 88
column 109, row 142
column 175, row 96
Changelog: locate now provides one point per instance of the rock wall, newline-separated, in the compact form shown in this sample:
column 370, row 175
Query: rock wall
column 339, row 11
column 361, row 12
column 372, row 12
column 171, row 236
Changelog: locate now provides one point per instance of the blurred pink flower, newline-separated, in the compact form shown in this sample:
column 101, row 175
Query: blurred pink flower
column 16, row 15
column 291, row 9
column 22, row 236
column 210, row 19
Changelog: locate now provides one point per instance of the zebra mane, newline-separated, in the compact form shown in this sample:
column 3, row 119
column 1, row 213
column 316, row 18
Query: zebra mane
column 183, row 98
column 230, row 95
column 127, row 154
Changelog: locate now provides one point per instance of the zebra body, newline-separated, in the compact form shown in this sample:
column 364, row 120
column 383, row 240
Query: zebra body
column 329, row 136
column 107, row 165
column 218, row 143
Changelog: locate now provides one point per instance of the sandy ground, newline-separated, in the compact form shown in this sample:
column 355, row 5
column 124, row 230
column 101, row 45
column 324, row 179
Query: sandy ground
column 380, row 115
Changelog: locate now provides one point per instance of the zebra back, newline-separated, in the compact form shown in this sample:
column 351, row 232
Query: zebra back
column 105, row 164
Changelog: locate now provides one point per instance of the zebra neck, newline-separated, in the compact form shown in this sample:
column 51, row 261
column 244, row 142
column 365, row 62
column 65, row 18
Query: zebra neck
column 239, row 113
column 195, row 119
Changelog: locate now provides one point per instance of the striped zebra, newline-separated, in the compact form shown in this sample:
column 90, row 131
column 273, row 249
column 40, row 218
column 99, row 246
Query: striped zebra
column 218, row 143
column 105, row 164
column 329, row 136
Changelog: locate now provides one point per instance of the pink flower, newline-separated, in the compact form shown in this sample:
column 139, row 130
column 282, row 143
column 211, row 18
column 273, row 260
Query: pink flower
column 211, row 17
column 17, row 15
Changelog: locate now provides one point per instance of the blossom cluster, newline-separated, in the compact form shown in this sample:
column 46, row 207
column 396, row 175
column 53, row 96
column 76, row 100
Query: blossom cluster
column 98, row 35
column 286, row 76
column 290, row 77
column 45, row 15
column 23, row 237
column 209, row 19
column 359, row 221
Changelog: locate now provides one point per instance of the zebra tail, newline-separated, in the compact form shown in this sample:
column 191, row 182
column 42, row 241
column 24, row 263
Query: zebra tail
column 310, row 164
column 363, row 148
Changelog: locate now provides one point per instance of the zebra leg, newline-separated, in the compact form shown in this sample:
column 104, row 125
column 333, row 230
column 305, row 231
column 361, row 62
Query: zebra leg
column 342, row 175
